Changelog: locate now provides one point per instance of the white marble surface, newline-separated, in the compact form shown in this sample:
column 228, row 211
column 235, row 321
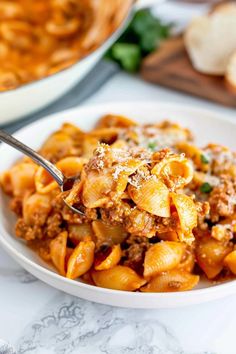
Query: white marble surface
column 35, row 318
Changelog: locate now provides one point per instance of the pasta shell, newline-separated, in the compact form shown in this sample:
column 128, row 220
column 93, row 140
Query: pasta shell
column 171, row 281
column 72, row 130
column 5, row 182
column 58, row 251
column 22, row 178
column 44, row 182
column 108, row 234
column 74, row 194
column 113, row 120
column 119, row 144
column 111, row 260
column 81, row 259
column 168, row 236
column 69, row 252
column 71, row 166
column 57, row 145
column 95, row 189
column 176, row 171
column 78, row 232
column 210, row 255
column 152, row 196
column 193, row 152
column 187, row 215
column 106, row 135
column 62, row 30
column 118, row 278
column 161, row 257
column 89, row 144
column 230, row 261
column 123, row 171
column 188, row 260
column 36, row 209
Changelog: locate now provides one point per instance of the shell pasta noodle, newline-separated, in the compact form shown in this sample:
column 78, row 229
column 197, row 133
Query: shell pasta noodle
column 159, row 212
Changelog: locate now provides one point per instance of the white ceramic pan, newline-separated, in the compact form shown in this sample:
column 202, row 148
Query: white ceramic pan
column 29, row 98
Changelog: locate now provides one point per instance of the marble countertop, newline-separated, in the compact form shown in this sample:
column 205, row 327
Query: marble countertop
column 37, row 319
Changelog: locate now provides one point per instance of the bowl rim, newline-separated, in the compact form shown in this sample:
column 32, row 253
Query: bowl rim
column 103, row 46
column 217, row 288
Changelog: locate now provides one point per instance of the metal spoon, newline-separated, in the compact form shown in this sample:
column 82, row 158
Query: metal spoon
column 64, row 183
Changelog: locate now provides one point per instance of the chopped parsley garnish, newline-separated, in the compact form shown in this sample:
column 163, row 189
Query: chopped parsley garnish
column 204, row 159
column 206, row 188
column 152, row 146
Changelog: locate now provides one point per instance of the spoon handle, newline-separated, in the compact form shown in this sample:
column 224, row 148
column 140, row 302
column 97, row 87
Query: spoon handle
column 54, row 172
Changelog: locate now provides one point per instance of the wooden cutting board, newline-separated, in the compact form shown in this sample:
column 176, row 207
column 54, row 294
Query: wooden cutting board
column 170, row 66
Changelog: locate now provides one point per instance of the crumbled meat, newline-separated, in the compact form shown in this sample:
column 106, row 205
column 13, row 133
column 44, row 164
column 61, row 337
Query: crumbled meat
column 69, row 215
column 174, row 284
column 160, row 155
column 116, row 214
column 164, row 225
column 53, row 225
column 134, row 252
column 222, row 160
column 16, row 206
column 222, row 199
column 27, row 232
column 140, row 223
column 203, row 210
column 222, row 232
column 42, row 247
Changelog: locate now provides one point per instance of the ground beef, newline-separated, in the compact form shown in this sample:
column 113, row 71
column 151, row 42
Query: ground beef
column 170, row 224
column 222, row 199
column 203, row 210
column 69, row 215
column 42, row 247
column 116, row 214
column 27, row 232
column 134, row 252
column 53, row 225
column 140, row 223
column 16, row 206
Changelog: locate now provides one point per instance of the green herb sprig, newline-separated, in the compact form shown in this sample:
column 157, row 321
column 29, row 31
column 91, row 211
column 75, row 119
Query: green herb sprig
column 143, row 36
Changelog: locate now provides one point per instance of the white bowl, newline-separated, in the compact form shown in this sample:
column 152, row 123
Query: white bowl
column 207, row 127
